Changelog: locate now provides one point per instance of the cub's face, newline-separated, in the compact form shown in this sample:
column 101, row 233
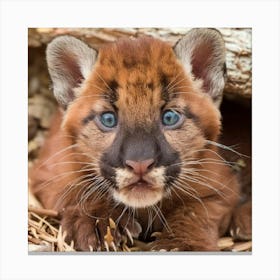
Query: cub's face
column 139, row 119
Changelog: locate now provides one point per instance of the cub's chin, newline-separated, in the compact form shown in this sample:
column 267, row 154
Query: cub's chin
column 139, row 195
column 139, row 191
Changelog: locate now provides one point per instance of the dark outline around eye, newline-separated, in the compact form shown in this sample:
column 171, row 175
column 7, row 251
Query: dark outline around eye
column 177, row 124
column 103, row 127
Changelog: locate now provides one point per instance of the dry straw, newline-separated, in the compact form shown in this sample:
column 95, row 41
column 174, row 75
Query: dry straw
column 45, row 235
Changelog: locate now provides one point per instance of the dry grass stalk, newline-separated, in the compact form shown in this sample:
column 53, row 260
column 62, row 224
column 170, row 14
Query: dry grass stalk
column 45, row 235
column 242, row 246
column 44, row 232
column 225, row 243
column 42, row 211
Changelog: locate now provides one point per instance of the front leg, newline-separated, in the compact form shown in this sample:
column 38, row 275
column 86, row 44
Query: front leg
column 88, row 228
column 193, row 228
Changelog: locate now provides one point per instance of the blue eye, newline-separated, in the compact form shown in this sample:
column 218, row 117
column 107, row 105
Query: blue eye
column 170, row 118
column 108, row 119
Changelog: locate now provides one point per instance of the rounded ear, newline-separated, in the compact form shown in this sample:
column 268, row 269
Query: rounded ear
column 70, row 61
column 202, row 52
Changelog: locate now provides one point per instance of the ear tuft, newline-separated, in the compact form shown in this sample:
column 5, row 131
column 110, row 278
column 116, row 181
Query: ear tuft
column 202, row 51
column 70, row 61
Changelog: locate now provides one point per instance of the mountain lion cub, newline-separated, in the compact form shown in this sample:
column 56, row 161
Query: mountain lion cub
column 135, row 142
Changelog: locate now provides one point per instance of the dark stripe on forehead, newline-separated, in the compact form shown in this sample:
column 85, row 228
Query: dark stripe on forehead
column 89, row 117
column 112, row 94
column 113, row 85
column 188, row 113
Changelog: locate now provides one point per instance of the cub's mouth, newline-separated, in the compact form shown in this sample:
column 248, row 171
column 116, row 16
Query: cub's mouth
column 140, row 163
column 139, row 185
column 139, row 191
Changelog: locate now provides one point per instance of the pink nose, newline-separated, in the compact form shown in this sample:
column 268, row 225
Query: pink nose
column 140, row 167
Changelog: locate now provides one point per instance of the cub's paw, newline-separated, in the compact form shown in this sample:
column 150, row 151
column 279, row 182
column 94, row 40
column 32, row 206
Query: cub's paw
column 98, row 234
column 173, row 244
column 241, row 226
column 167, row 244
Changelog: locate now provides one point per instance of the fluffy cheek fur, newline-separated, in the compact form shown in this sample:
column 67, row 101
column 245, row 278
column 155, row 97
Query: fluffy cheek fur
column 135, row 197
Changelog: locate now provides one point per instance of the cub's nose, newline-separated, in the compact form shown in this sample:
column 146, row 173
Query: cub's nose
column 140, row 167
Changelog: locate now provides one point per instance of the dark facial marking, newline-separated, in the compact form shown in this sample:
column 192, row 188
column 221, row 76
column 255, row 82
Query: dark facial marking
column 108, row 172
column 188, row 113
column 138, row 146
column 129, row 62
column 150, row 86
column 171, row 174
column 112, row 94
column 89, row 118
column 196, row 120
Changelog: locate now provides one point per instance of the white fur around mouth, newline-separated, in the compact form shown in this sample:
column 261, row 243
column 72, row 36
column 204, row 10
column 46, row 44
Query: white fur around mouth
column 139, row 193
column 138, row 197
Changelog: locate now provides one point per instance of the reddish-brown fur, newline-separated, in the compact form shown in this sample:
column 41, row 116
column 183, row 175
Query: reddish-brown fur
column 196, row 222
